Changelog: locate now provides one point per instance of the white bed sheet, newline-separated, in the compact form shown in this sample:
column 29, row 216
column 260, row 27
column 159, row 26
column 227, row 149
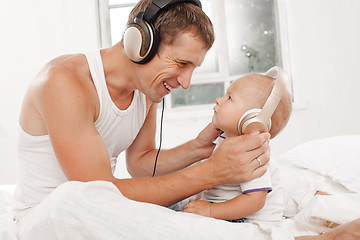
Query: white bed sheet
column 7, row 224
column 307, row 213
column 304, row 213
column 330, row 165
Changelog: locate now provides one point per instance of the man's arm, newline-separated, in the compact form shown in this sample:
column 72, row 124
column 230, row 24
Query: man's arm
column 233, row 162
column 140, row 156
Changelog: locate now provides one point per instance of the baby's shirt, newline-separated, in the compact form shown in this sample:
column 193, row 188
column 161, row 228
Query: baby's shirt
column 273, row 209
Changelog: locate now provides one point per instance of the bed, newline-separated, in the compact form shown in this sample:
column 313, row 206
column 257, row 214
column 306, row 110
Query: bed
column 7, row 225
column 329, row 165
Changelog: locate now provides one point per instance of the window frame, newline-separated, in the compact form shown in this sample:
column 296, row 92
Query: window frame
column 223, row 74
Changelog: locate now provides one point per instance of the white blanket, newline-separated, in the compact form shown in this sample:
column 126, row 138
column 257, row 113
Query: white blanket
column 307, row 213
column 98, row 210
column 109, row 215
column 7, row 224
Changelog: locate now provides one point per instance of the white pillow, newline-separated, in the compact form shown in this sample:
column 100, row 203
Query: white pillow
column 349, row 175
column 336, row 157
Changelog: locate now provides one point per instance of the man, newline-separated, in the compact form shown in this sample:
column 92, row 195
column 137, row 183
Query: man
column 82, row 111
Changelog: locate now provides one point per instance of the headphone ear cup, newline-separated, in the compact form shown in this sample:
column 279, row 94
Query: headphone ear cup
column 133, row 42
column 249, row 122
column 154, row 46
column 140, row 44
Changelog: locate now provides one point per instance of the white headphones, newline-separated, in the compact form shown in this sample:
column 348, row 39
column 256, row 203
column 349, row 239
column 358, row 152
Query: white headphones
column 260, row 119
column 141, row 38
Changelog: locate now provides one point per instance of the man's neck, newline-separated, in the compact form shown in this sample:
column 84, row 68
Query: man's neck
column 119, row 74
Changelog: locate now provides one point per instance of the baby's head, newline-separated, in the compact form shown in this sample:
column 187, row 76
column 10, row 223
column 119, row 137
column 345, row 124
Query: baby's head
column 248, row 92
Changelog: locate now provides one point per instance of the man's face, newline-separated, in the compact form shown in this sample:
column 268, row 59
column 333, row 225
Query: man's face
column 172, row 66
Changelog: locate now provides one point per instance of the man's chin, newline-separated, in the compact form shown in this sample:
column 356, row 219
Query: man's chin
column 157, row 100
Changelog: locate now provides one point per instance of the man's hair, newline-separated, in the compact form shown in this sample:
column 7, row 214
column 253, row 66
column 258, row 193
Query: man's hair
column 179, row 18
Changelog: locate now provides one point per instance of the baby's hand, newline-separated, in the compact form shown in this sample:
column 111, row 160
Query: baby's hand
column 199, row 207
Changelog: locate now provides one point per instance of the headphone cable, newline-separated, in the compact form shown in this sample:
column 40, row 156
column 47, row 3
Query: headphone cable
column 161, row 124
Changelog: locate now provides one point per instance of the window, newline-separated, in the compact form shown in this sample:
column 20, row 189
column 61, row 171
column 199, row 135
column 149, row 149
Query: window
column 247, row 40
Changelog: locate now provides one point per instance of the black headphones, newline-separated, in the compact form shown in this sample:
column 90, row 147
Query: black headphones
column 141, row 39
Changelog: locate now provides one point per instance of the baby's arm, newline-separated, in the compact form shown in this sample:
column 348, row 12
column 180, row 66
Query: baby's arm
column 236, row 208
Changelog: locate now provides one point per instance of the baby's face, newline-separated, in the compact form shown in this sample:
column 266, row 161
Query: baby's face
column 229, row 109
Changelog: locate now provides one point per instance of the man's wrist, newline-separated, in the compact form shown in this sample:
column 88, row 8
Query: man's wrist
column 195, row 152
column 210, row 174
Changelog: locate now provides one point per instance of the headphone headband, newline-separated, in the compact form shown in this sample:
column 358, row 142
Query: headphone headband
column 276, row 93
column 260, row 119
column 157, row 6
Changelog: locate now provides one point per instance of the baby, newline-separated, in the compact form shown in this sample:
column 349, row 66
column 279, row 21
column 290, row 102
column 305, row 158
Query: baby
column 260, row 199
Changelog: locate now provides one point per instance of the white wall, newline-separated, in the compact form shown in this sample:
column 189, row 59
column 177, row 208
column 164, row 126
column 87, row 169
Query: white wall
column 32, row 33
column 325, row 59
column 323, row 43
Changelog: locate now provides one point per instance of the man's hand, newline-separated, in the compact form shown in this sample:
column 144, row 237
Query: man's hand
column 235, row 160
column 204, row 140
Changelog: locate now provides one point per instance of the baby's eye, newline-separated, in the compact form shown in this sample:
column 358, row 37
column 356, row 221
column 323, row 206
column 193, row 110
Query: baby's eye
column 229, row 98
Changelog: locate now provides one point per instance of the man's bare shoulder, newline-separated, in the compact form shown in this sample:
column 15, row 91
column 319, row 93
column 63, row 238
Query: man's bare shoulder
column 63, row 83
column 72, row 66
column 69, row 73
column 65, row 78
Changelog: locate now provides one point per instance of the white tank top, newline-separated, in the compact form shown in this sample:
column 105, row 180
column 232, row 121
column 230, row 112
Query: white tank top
column 39, row 172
